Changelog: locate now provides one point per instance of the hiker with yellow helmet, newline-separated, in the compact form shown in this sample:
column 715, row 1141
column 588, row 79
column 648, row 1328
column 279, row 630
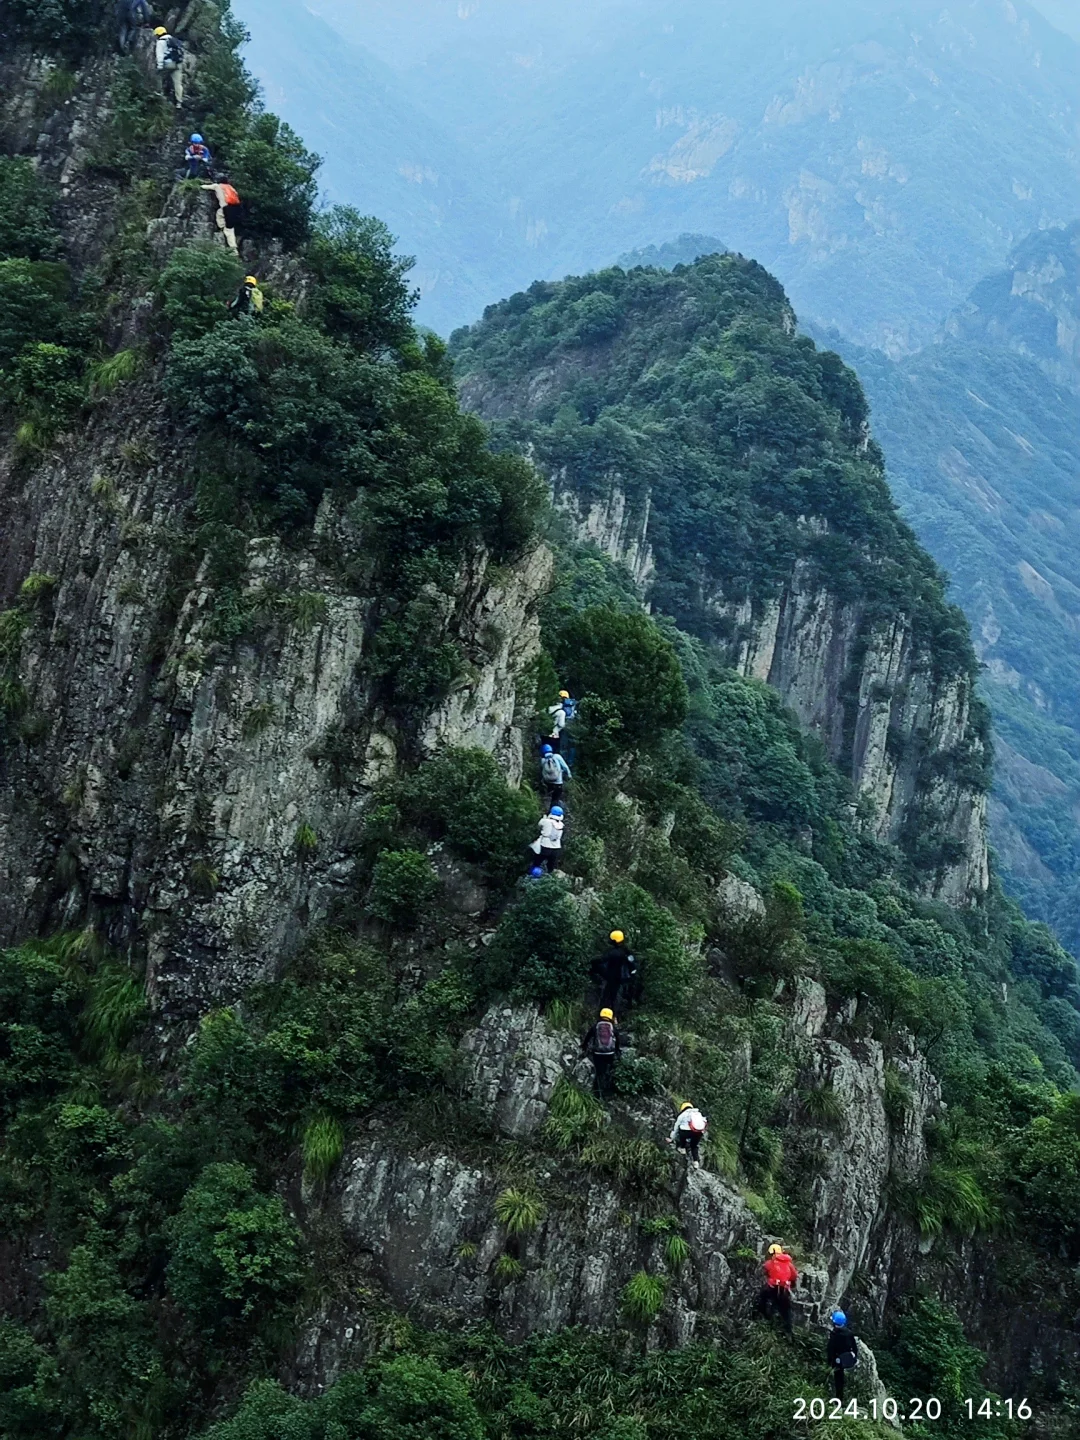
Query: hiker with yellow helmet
column 616, row 972
column 602, row 1044
column 688, row 1132
column 559, row 719
column 248, row 300
column 169, row 59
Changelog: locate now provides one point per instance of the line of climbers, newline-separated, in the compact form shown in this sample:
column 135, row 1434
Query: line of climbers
column 132, row 16
column 616, row 981
column 198, row 161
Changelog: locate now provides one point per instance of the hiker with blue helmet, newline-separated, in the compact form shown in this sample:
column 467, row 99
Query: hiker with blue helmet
column 842, row 1351
column 197, row 157
column 554, row 771
column 548, row 844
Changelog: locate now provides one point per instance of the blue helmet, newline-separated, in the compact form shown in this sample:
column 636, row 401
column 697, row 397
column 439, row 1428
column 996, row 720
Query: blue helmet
column 546, row 750
column 557, row 810
column 196, row 139
column 838, row 1317
column 536, row 872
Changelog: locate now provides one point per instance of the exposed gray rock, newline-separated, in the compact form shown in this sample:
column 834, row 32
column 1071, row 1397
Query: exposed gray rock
column 810, row 1009
column 805, row 642
column 739, row 900
column 513, row 1063
column 414, row 1214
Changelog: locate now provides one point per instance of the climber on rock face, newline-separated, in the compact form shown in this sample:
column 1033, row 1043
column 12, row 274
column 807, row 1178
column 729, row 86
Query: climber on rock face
column 549, row 841
column 842, row 1351
column 228, row 211
column 169, row 58
column 616, row 971
column 559, row 718
column 602, row 1043
column 248, row 300
column 196, row 157
column 131, row 15
column 688, row 1131
column 554, row 771
column 781, row 1277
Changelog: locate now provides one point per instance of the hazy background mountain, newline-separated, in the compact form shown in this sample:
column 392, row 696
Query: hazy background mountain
column 904, row 168
column 880, row 157
column 982, row 435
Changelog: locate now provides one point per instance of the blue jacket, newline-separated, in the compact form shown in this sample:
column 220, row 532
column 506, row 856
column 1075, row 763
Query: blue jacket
column 561, row 765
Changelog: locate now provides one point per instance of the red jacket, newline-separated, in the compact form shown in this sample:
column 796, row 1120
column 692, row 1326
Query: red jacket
column 780, row 1270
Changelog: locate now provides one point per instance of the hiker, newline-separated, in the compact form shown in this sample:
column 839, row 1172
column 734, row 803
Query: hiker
column 196, row 156
column 248, row 300
column 842, row 1351
column 617, row 971
column 602, row 1044
column 554, row 771
column 131, row 15
column 228, row 211
column 548, row 844
column 781, row 1278
column 169, row 58
column 686, row 1134
column 559, row 718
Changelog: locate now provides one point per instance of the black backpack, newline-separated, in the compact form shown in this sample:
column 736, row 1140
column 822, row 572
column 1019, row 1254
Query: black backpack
column 174, row 51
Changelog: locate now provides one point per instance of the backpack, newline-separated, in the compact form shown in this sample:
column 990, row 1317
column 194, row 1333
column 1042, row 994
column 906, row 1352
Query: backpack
column 847, row 1359
column 550, row 769
column 174, row 51
column 605, row 1038
column 570, row 707
column 696, row 1129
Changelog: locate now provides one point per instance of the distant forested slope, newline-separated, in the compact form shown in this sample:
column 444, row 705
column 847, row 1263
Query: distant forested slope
column 982, row 437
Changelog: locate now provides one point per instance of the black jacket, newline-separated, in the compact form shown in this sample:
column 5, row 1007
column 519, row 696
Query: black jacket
column 617, row 964
column 841, row 1342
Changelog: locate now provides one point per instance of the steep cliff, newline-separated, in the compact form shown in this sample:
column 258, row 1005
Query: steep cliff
column 688, row 433
column 297, row 1134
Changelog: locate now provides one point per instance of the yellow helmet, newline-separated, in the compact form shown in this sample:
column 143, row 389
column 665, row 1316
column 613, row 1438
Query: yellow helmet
column 564, row 694
column 607, row 1014
column 686, row 1105
column 776, row 1249
column 616, row 937
column 250, row 280
column 161, row 30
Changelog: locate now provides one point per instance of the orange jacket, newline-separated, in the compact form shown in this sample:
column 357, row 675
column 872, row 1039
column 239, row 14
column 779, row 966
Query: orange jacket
column 780, row 1270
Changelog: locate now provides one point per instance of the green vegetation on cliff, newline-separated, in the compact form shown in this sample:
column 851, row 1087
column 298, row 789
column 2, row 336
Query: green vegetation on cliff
column 170, row 1232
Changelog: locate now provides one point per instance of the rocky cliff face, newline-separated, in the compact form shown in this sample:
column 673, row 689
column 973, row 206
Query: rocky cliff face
column 427, row 1227
column 196, row 788
column 865, row 688
column 162, row 776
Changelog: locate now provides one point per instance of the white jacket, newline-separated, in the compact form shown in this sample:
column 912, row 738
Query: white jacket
column 691, row 1119
column 551, row 828
column 161, row 46
column 558, row 719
